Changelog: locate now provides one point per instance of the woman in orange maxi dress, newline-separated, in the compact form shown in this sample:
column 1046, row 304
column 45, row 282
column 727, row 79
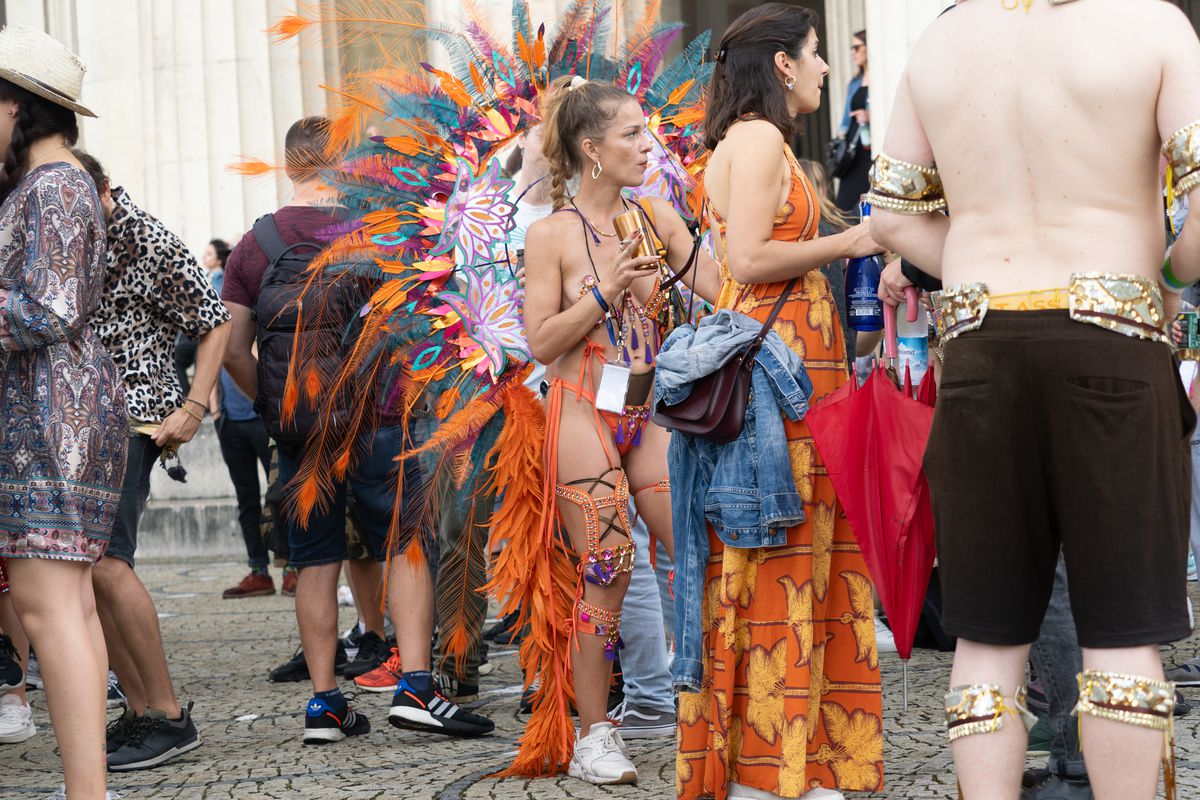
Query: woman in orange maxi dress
column 790, row 698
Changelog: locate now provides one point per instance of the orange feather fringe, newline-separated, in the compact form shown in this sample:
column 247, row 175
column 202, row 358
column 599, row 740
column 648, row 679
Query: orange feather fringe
column 536, row 576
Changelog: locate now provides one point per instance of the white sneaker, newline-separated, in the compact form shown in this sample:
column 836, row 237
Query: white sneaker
column 600, row 757
column 16, row 720
column 885, row 642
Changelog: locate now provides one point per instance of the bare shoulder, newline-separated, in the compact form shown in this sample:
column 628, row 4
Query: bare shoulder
column 753, row 133
column 664, row 212
column 547, row 233
column 941, row 35
column 753, row 145
column 1153, row 13
column 1168, row 26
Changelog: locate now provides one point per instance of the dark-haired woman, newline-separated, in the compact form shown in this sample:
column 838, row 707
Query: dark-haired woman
column 790, row 703
column 62, row 408
column 216, row 253
column 856, row 127
column 592, row 312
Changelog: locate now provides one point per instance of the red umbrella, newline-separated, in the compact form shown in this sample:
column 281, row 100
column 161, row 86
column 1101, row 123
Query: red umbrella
column 872, row 440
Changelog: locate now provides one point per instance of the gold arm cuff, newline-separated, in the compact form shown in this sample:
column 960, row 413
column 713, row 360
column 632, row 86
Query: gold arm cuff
column 1187, row 183
column 905, row 188
column 1182, row 151
column 1131, row 699
column 902, row 206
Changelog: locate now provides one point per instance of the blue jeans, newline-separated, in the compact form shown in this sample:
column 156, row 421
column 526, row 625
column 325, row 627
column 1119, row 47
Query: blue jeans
column 373, row 479
column 644, row 659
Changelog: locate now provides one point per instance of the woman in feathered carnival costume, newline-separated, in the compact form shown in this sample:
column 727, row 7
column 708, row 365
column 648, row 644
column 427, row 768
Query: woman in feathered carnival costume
column 446, row 329
column 596, row 311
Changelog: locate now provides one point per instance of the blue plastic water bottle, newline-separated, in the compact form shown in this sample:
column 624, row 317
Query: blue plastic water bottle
column 863, row 307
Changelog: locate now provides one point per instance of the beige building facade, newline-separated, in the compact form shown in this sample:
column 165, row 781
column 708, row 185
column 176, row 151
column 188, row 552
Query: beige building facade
column 185, row 87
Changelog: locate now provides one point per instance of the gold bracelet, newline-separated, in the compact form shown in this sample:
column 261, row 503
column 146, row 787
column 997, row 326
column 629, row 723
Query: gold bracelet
column 192, row 414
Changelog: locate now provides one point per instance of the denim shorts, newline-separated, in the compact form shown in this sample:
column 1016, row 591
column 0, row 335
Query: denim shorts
column 373, row 482
column 135, row 491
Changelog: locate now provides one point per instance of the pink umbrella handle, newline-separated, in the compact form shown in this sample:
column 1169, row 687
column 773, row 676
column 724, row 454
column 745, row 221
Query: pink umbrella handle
column 891, row 349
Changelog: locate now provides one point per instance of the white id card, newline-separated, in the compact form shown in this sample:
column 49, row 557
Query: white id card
column 614, row 383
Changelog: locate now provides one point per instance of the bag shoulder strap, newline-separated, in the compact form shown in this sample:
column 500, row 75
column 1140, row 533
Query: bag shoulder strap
column 266, row 233
column 774, row 315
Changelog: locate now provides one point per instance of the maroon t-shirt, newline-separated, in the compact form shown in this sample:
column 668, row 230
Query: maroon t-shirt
column 248, row 263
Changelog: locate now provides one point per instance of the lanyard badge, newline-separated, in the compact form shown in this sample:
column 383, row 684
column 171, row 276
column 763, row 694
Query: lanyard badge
column 614, row 385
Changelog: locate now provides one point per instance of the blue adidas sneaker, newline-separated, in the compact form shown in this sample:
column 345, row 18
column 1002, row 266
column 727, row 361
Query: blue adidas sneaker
column 322, row 724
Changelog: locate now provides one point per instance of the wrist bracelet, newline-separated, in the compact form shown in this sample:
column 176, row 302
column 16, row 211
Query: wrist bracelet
column 1169, row 280
column 191, row 413
column 600, row 299
column 203, row 407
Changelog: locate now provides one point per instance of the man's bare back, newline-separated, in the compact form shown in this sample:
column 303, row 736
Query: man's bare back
column 1046, row 127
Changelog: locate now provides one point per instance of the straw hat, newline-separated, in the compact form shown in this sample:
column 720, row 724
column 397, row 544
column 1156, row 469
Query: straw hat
column 40, row 63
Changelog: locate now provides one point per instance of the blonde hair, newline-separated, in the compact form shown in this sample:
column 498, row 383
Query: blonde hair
column 574, row 110
column 819, row 179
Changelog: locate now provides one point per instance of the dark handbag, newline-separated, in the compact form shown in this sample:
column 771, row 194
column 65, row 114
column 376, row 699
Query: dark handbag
column 716, row 408
column 841, row 154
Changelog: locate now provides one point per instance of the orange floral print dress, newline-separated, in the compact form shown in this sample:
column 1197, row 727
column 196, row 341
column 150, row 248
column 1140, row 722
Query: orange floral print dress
column 790, row 699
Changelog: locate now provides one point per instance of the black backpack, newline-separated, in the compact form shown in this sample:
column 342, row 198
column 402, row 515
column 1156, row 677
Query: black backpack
column 329, row 308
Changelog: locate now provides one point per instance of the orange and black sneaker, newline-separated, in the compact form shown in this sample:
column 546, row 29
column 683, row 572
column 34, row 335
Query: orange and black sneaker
column 429, row 711
column 323, row 723
column 384, row 678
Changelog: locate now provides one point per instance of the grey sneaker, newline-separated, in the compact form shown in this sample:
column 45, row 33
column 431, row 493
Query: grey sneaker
column 1186, row 674
column 643, row 722
column 155, row 740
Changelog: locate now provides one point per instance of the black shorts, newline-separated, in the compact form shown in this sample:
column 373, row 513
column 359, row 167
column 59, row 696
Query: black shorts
column 1050, row 432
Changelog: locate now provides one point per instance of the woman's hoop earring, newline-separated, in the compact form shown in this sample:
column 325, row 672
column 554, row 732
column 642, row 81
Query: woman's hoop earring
column 790, row 83
column 596, row 170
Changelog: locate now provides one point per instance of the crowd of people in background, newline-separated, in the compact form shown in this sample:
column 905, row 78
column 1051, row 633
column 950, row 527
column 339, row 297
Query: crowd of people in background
column 117, row 344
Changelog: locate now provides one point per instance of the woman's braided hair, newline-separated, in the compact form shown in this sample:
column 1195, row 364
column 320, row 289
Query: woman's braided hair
column 573, row 111
column 37, row 118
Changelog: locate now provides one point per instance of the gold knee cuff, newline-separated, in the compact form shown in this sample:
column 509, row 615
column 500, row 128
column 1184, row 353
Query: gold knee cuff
column 980, row 708
column 1130, row 699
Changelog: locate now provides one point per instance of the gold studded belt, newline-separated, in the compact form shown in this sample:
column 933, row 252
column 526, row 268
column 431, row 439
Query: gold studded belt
column 1126, row 304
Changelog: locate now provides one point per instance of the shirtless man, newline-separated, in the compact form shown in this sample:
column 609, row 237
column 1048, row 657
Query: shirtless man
column 1053, row 429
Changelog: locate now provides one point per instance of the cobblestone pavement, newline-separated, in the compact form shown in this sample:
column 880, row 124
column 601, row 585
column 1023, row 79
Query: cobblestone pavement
column 220, row 652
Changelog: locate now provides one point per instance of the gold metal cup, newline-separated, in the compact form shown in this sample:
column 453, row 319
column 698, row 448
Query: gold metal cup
column 629, row 222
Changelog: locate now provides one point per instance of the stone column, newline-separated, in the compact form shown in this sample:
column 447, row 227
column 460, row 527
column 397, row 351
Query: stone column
column 183, row 88
column 893, row 29
column 842, row 20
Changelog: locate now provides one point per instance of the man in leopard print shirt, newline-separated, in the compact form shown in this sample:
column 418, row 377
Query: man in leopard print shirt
column 153, row 290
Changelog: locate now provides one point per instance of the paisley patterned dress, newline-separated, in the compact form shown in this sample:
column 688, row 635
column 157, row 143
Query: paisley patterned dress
column 63, row 426
column 790, row 699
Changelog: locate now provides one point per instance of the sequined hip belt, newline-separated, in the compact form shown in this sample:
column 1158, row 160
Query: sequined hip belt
column 1126, row 304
